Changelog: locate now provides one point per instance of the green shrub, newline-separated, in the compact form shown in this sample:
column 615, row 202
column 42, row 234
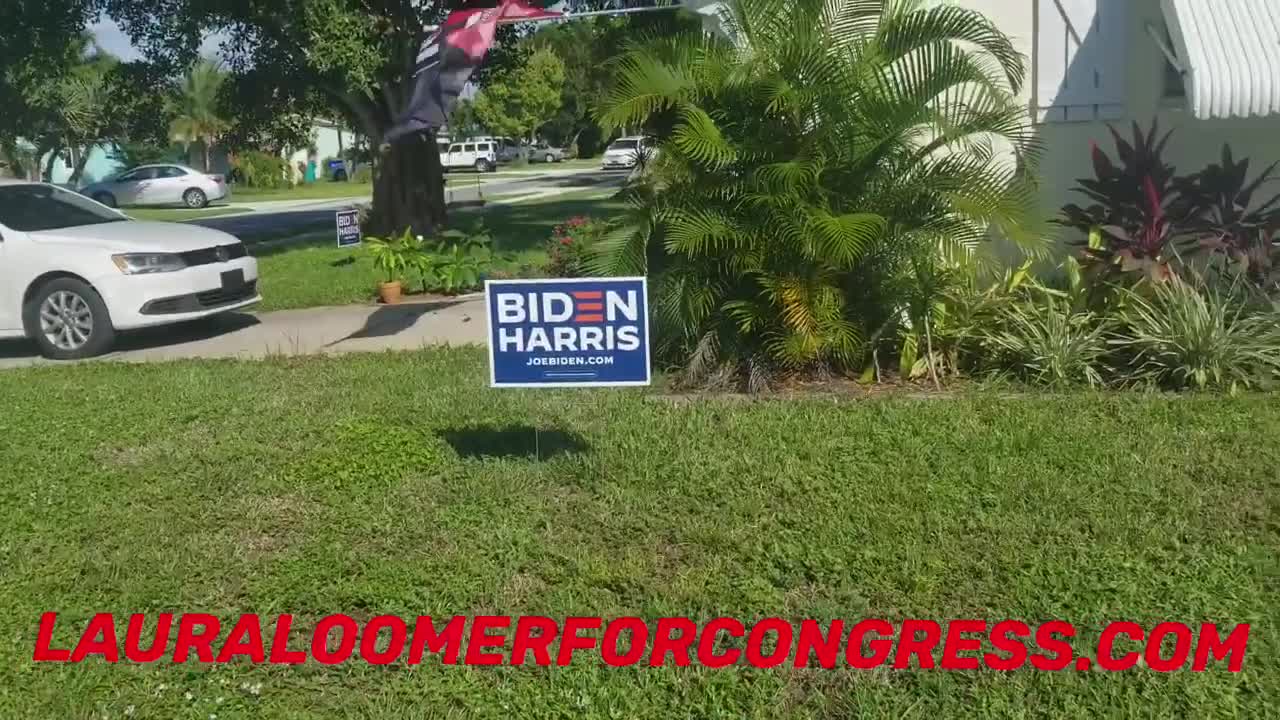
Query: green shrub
column 790, row 190
column 363, row 174
column 262, row 170
column 1041, row 338
column 455, row 262
column 325, row 169
column 571, row 245
column 1182, row 334
column 131, row 154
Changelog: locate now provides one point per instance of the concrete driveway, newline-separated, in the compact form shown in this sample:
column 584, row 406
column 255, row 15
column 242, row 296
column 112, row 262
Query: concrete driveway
column 353, row 328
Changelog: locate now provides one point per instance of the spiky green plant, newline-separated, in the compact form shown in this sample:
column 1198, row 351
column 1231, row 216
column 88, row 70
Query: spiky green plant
column 807, row 165
column 1190, row 333
column 1041, row 338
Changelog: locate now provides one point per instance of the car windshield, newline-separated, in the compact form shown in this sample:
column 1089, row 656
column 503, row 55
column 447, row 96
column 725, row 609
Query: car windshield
column 32, row 208
column 623, row 145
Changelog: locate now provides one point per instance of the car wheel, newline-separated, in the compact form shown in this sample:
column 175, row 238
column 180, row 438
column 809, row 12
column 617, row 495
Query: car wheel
column 550, row 158
column 68, row 320
column 482, row 166
column 105, row 198
column 195, row 199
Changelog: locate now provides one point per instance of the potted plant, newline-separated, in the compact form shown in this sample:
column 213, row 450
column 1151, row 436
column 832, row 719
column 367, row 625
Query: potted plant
column 392, row 256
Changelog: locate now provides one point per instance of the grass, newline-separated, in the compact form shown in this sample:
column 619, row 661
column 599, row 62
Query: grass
column 311, row 271
column 177, row 214
column 315, row 191
column 332, row 190
column 592, row 162
column 385, row 484
column 573, row 164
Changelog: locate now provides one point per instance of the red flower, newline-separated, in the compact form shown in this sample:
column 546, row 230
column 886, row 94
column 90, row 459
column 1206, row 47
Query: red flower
column 566, row 241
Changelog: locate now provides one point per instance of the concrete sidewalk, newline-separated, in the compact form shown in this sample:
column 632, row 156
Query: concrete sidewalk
column 352, row 328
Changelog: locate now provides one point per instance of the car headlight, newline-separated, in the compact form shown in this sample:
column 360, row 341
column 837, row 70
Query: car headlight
column 146, row 263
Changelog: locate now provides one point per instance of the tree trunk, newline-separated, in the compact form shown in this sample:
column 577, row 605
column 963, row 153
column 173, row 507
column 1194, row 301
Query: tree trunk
column 48, row 164
column 78, row 162
column 204, row 145
column 408, row 191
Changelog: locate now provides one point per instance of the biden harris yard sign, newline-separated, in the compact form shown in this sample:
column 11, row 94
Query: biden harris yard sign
column 568, row 333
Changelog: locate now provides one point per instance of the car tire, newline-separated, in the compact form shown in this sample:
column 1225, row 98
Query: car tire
column 105, row 198
column 68, row 320
column 550, row 158
column 483, row 166
column 195, row 199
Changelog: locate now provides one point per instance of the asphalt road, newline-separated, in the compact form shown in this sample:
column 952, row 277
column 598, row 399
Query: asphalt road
column 459, row 188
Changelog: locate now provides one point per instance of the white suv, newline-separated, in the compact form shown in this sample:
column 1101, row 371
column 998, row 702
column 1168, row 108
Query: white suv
column 481, row 155
column 73, row 271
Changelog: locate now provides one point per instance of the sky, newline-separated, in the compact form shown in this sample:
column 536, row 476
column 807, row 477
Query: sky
column 112, row 39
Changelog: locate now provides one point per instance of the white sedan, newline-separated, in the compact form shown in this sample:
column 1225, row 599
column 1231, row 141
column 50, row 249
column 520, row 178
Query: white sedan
column 73, row 272
column 159, row 185
column 629, row 153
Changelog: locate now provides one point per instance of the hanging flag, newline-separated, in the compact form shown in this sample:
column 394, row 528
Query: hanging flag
column 449, row 56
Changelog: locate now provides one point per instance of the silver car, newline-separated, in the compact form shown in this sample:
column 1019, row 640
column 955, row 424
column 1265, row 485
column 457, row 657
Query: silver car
column 543, row 152
column 159, row 185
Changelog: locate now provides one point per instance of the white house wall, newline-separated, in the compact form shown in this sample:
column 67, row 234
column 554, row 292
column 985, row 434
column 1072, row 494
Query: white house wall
column 326, row 144
column 1141, row 64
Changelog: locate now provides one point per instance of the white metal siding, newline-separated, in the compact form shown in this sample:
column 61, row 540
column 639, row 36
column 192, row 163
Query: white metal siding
column 1230, row 50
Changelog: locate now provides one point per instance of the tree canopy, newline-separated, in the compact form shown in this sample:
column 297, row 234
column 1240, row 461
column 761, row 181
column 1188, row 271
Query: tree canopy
column 196, row 116
column 290, row 60
column 524, row 99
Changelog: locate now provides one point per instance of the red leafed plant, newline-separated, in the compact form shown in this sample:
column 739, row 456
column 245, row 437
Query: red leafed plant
column 1137, row 208
column 1224, row 219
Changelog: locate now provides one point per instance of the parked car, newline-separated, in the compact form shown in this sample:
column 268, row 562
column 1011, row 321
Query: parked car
column 159, row 185
column 624, row 153
column 73, row 271
column 507, row 150
column 483, row 156
column 510, row 150
column 543, row 152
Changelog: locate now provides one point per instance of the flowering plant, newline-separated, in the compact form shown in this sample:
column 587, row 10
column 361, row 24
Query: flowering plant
column 570, row 246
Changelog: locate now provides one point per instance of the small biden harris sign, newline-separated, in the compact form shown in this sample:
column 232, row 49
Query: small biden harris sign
column 568, row 333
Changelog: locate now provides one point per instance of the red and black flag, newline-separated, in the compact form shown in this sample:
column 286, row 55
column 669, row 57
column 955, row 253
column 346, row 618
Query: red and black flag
column 449, row 56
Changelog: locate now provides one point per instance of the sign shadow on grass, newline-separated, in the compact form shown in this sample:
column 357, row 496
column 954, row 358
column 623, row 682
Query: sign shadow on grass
column 512, row 441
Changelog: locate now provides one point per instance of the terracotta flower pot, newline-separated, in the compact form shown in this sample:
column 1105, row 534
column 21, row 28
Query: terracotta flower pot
column 389, row 292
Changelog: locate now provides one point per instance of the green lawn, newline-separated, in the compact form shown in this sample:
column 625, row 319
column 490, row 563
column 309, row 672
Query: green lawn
column 314, row 191
column 593, row 162
column 312, row 271
column 402, row 484
column 177, row 214
column 456, row 178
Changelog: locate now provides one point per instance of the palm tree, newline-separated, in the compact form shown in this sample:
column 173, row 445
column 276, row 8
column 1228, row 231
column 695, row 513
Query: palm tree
column 195, row 108
column 806, row 167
